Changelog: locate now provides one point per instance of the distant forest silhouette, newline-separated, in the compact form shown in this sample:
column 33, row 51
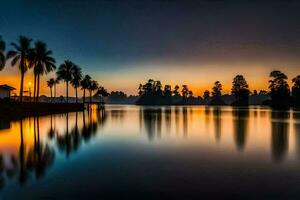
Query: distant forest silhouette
column 41, row 60
column 280, row 95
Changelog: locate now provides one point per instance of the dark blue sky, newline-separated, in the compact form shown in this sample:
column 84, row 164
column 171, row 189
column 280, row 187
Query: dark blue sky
column 111, row 37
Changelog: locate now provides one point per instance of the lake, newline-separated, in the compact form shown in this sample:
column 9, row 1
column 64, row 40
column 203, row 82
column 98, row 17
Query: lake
column 176, row 152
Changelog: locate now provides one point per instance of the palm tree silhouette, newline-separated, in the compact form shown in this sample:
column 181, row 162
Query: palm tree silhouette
column 65, row 73
column 42, row 61
column 77, row 77
column 22, row 171
column 56, row 81
column 92, row 87
column 2, row 56
column 85, row 83
column 50, row 84
column 20, row 56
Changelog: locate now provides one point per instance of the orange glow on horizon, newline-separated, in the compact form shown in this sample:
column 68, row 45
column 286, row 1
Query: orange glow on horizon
column 198, row 79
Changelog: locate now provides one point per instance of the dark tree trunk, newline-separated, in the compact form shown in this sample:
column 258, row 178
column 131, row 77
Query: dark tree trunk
column 38, row 88
column 21, row 86
column 67, row 91
column 76, row 94
column 34, row 89
column 83, row 95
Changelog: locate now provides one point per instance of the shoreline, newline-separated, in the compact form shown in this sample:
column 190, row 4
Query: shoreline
column 26, row 109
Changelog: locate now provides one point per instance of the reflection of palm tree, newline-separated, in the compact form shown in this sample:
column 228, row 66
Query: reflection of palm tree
column 22, row 171
column 75, row 134
column 279, row 134
column 41, row 156
column 240, row 117
column 86, row 129
column 64, row 141
column 52, row 131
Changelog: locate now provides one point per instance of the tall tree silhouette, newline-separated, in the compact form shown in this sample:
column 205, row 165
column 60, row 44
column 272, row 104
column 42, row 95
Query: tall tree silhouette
column 42, row 62
column 216, row 94
column 140, row 89
column 296, row 90
column 185, row 91
column 206, row 94
column 65, row 73
column 77, row 77
column 240, row 90
column 168, row 93
column 50, row 84
column 175, row 91
column 20, row 57
column 217, row 89
column 279, row 89
column 92, row 87
column 2, row 56
column 85, row 83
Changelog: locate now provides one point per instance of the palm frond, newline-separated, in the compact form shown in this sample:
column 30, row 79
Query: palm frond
column 11, row 54
column 2, row 61
column 15, row 60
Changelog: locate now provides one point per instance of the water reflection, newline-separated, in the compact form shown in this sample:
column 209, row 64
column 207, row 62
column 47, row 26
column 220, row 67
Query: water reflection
column 36, row 154
column 240, row 122
column 31, row 146
column 217, row 122
column 296, row 119
column 280, row 129
column 152, row 121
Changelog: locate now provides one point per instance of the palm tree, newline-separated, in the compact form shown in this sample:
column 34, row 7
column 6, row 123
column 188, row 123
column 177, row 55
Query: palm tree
column 77, row 77
column 20, row 56
column 65, row 73
column 92, row 87
column 85, row 83
column 43, row 62
column 2, row 56
column 50, row 84
column 56, row 81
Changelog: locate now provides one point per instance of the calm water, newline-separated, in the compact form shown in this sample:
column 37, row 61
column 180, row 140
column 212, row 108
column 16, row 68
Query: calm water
column 151, row 153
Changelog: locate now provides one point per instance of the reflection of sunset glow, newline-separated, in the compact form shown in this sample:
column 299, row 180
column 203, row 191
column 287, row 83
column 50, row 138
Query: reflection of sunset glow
column 201, row 126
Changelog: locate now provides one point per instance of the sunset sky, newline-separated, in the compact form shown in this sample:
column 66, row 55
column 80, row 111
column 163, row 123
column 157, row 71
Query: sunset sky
column 178, row 42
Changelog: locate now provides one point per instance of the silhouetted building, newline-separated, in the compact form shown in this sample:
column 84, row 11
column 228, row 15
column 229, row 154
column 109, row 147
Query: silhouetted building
column 5, row 91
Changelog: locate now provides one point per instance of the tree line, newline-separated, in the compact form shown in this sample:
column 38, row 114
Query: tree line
column 38, row 57
column 154, row 93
